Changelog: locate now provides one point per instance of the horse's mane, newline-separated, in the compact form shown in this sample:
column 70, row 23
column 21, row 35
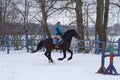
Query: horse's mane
column 67, row 33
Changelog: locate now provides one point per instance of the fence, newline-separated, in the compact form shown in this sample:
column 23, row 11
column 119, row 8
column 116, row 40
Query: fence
column 7, row 42
column 95, row 45
column 96, row 42
column 25, row 42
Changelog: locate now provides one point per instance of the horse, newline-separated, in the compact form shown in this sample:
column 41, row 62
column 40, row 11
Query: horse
column 63, row 45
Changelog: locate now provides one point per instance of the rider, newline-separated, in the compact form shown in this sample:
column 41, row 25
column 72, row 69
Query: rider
column 58, row 32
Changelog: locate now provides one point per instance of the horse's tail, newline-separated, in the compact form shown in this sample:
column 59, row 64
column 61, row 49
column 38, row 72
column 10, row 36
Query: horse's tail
column 39, row 46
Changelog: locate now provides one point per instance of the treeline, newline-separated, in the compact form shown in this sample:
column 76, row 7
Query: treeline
column 33, row 28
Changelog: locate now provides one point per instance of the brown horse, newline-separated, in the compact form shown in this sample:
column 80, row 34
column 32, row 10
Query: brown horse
column 64, row 45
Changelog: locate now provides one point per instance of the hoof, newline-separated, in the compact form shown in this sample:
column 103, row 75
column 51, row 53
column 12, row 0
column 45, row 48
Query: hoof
column 60, row 59
column 50, row 61
column 33, row 51
column 69, row 58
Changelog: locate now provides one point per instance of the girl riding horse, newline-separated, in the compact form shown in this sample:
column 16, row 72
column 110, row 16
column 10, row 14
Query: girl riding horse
column 64, row 45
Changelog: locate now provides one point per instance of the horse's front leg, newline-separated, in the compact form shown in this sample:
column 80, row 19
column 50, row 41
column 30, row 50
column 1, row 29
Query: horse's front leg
column 49, row 57
column 46, row 54
column 64, row 55
column 71, row 54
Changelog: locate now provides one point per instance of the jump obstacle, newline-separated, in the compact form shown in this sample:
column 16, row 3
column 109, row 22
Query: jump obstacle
column 111, row 70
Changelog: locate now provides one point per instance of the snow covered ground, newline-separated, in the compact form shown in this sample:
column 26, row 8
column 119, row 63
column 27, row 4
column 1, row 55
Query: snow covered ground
column 19, row 65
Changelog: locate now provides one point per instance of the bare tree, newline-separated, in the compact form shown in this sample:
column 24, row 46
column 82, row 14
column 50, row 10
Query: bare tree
column 105, row 23
column 46, row 6
column 102, row 19
column 1, row 31
column 26, row 16
column 0, row 18
column 99, row 19
column 79, row 18
column 4, row 5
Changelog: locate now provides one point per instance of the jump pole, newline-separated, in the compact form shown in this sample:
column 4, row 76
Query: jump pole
column 97, row 44
column 7, row 44
column 44, row 37
column 102, row 68
column 27, row 42
column 118, row 46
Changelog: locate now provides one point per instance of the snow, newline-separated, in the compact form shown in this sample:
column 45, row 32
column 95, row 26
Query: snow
column 20, row 65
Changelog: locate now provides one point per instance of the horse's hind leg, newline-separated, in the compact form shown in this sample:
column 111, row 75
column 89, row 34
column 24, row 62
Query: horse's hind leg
column 48, row 55
column 64, row 55
column 71, row 54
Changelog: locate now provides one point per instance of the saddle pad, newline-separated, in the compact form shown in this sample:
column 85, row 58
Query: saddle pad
column 55, row 41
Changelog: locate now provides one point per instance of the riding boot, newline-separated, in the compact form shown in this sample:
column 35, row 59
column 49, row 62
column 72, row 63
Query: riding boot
column 56, row 46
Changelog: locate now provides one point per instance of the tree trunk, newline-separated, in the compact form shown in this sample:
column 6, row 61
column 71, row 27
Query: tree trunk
column 80, row 26
column 0, row 21
column 99, row 20
column 44, row 18
column 102, row 20
column 105, row 20
column 45, row 25
column 26, row 17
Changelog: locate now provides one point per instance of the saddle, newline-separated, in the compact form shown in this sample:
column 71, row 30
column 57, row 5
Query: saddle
column 55, row 41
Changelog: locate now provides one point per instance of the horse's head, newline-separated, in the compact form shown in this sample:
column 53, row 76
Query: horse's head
column 75, row 34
